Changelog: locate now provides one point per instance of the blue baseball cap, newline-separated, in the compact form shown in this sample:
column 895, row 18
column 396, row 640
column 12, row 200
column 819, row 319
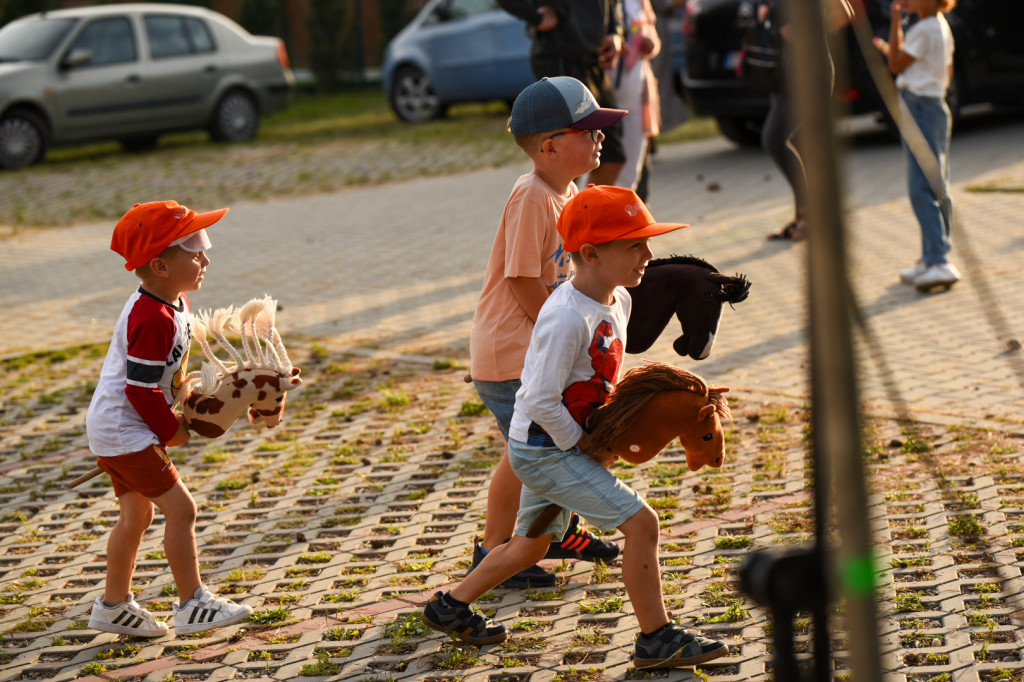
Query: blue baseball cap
column 559, row 102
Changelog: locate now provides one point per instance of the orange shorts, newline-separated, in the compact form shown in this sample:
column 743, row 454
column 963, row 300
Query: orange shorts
column 149, row 472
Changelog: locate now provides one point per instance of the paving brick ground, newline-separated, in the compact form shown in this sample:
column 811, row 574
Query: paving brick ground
column 337, row 525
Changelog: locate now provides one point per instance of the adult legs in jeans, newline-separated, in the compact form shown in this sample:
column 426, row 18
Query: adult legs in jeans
column 778, row 137
column 932, row 116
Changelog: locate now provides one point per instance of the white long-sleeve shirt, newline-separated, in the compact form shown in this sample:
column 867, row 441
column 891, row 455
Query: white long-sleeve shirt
column 574, row 359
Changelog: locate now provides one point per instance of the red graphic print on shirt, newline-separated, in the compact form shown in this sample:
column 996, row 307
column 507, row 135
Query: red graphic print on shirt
column 583, row 397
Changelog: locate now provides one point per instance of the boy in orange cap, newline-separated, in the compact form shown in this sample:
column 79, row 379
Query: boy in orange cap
column 572, row 363
column 130, row 422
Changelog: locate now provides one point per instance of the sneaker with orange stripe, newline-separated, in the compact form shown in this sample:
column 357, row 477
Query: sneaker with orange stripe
column 580, row 543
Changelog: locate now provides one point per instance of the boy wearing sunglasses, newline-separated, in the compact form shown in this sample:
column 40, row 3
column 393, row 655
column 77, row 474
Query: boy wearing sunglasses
column 558, row 123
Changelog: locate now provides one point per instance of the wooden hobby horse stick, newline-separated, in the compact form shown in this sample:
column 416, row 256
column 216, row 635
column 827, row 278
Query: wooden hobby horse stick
column 89, row 475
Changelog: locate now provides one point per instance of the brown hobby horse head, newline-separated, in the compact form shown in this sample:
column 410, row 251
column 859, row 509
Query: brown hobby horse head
column 649, row 407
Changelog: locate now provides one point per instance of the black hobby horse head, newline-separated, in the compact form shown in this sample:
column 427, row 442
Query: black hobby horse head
column 691, row 288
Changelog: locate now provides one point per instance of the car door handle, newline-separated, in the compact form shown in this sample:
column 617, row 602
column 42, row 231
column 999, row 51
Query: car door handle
column 210, row 69
column 133, row 79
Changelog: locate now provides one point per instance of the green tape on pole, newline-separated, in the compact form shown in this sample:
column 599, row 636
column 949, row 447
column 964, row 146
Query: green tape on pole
column 858, row 575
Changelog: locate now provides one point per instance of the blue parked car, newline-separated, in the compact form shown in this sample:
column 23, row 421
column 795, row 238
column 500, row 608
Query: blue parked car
column 455, row 51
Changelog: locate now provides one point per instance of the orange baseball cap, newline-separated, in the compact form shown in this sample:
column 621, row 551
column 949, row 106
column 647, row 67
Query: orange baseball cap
column 146, row 230
column 602, row 213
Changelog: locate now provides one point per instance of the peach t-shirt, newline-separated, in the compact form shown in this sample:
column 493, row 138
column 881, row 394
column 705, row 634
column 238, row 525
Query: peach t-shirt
column 527, row 245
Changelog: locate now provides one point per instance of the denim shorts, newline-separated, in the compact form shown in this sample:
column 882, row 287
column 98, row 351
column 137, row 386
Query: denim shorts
column 573, row 480
column 500, row 399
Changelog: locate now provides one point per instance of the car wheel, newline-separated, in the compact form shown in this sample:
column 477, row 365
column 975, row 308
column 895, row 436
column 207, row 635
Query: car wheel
column 412, row 96
column 745, row 132
column 236, row 118
column 143, row 143
column 23, row 139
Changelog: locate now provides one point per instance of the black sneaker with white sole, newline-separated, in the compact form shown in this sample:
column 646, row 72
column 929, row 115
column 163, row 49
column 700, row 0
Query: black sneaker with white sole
column 531, row 577
column 461, row 622
column 674, row 647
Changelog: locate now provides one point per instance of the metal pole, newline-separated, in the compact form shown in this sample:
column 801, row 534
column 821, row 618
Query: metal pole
column 837, row 439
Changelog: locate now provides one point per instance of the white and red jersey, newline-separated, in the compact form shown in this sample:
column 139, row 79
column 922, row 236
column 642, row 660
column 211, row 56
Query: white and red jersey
column 141, row 376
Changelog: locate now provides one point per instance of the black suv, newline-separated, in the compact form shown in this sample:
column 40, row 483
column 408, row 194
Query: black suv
column 988, row 61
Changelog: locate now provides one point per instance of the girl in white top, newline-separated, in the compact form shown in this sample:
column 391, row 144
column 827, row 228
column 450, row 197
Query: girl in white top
column 923, row 63
column 928, row 51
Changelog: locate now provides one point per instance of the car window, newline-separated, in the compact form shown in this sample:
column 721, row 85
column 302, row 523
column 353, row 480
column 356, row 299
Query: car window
column 166, row 36
column 110, row 41
column 461, row 9
column 199, row 35
column 32, row 40
column 171, row 36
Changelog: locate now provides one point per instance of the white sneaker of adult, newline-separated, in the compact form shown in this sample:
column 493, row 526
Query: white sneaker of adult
column 126, row 618
column 910, row 274
column 205, row 611
column 939, row 275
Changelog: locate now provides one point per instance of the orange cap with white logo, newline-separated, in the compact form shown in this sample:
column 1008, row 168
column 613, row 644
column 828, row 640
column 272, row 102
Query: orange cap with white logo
column 603, row 213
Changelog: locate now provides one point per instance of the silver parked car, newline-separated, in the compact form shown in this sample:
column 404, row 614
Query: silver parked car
column 132, row 72
column 455, row 51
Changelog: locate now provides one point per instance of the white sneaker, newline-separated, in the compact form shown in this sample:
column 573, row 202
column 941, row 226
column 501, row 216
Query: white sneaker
column 126, row 618
column 910, row 274
column 940, row 275
column 206, row 611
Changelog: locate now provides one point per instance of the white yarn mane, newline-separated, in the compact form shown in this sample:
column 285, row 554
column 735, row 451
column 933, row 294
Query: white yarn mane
column 262, row 347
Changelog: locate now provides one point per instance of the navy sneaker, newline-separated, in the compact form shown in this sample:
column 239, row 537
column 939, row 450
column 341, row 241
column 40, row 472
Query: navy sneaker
column 531, row 577
column 580, row 543
column 674, row 647
column 461, row 622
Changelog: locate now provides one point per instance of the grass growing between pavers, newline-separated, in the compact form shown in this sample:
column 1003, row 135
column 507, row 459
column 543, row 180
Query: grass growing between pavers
column 336, row 525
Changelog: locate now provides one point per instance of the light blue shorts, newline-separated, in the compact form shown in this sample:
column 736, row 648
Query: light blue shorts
column 500, row 399
column 574, row 481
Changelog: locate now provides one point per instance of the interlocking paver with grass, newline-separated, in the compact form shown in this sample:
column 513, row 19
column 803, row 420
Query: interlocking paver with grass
column 337, row 525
